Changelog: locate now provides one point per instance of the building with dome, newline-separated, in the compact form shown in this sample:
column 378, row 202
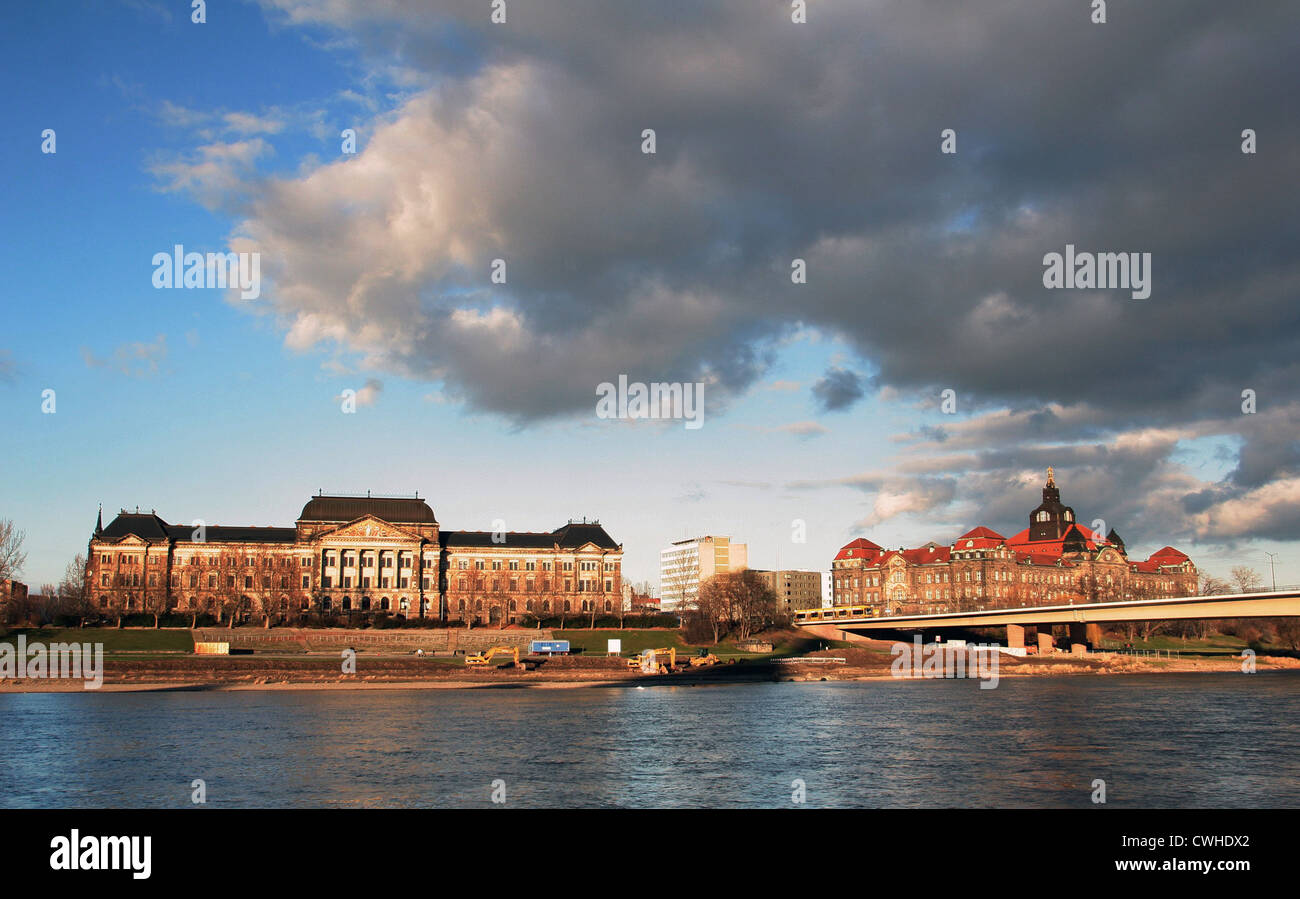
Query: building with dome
column 1053, row 561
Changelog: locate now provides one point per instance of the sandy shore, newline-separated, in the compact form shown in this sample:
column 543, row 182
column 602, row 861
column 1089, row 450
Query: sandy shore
column 192, row 674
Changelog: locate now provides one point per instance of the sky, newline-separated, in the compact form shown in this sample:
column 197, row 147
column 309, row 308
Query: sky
column 774, row 141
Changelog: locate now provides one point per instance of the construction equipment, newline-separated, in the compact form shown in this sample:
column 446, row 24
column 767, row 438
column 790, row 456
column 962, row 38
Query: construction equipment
column 704, row 660
column 640, row 660
column 482, row 659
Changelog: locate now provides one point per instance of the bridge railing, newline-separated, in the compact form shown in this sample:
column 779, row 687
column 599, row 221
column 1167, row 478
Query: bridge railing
column 841, row 613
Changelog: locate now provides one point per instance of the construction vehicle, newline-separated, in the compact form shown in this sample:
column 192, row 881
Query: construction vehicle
column 482, row 659
column 704, row 660
column 637, row 661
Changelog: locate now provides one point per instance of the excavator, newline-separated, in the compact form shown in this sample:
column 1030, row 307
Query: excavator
column 482, row 659
column 659, row 654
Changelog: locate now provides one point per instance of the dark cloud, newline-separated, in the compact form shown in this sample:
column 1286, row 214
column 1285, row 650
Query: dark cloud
column 838, row 389
column 821, row 141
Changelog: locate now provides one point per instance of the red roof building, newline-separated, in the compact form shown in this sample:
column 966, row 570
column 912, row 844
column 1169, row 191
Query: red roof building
column 1054, row 561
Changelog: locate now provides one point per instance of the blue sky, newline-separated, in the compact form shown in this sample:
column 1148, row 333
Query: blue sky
column 201, row 406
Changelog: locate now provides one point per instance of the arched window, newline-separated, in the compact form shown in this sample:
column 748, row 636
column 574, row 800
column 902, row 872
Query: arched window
column 365, row 603
column 383, row 604
column 608, row 607
column 462, row 605
column 568, row 606
column 513, row 605
column 546, row 605
column 347, row 603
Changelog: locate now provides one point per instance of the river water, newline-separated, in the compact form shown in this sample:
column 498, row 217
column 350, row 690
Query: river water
column 1215, row 740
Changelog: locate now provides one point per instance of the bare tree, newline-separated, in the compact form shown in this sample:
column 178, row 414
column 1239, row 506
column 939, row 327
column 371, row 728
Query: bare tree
column 74, row 590
column 12, row 557
column 1288, row 632
column 711, row 608
column 1246, row 579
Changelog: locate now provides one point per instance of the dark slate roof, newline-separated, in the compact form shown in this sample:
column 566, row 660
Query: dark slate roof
column 149, row 526
column 350, row 508
column 218, row 534
column 574, row 535
column 571, row 536
column 484, row 539
column 143, row 524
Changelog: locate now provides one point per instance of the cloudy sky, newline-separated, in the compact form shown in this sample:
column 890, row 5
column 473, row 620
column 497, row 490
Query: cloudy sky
column 774, row 142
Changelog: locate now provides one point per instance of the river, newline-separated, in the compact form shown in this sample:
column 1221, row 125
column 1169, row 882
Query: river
column 1185, row 740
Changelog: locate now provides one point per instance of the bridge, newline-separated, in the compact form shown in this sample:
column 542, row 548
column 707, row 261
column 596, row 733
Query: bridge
column 1084, row 619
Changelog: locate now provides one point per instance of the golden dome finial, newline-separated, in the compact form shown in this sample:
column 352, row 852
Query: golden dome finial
column 1051, row 479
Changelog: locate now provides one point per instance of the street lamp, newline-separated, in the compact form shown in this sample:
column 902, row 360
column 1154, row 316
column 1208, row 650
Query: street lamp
column 1272, row 558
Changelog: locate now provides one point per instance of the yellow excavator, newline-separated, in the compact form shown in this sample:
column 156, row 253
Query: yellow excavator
column 482, row 659
column 659, row 654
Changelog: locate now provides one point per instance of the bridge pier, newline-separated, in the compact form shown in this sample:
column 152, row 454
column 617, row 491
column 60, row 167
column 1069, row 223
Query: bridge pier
column 1046, row 642
column 1015, row 636
column 1086, row 634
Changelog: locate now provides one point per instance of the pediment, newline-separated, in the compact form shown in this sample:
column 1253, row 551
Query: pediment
column 131, row 540
column 368, row 527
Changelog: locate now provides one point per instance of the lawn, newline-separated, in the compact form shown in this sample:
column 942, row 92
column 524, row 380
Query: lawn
column 594, row 643
column 634, row 641
column 114, row 640
column 1214, row 644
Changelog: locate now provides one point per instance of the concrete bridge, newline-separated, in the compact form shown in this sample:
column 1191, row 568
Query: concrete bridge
column 1084, row 619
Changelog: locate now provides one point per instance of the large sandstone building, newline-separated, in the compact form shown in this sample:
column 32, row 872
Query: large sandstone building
column 354, row 554
column 1053, row 561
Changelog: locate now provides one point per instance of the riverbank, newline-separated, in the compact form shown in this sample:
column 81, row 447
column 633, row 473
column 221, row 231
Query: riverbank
column 865, row 662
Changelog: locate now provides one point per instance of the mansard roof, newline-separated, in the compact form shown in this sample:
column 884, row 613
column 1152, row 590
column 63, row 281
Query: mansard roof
column 220, row 534
column 573, row 535
column 150, row 526
column 1075, row 534
column 982, row 533
column 861, row 548
column 342, row 509
column 146, row 525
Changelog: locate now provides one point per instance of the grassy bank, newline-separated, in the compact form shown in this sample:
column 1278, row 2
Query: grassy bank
column 114, row 640
column 785, row 643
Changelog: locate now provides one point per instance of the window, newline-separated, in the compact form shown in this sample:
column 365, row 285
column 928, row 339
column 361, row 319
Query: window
column 306, row 581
